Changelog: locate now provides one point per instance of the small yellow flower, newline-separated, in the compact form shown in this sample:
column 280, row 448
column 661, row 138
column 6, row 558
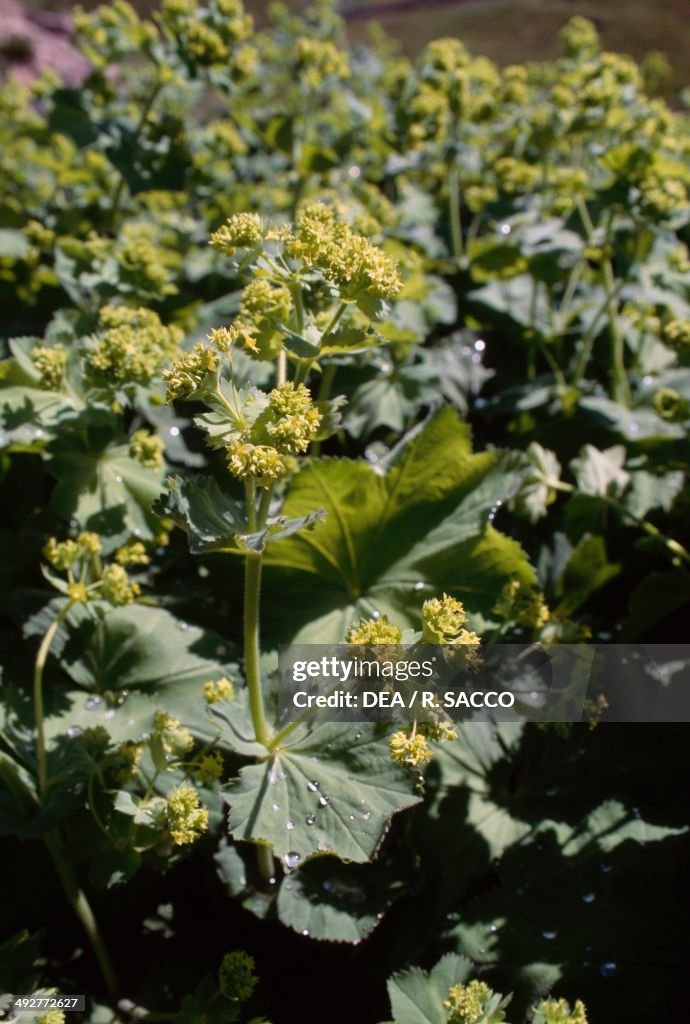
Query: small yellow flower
column 409, row 750
column 133, row 553
column 374, row 631
column 221, row 689
column 241, row 231
column 147, row 449
column 116, row 586
column 50, row 361
column 210, row 768
column 77, row 592
column 236, row 978
column 186, row 819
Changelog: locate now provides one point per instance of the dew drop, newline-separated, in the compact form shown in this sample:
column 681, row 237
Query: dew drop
column 419, row 585
column 74, row 731
column 647, row 380
column 358, row 735
column 549, row 935
column 479, row 345
column 174, row 431
column 39, row 433
column 289, row 824
column 275, row 807
column 118, row 479
column 351, row 817
column 376, row 615
column 272, row 880
column 366, row 815
column 183, row 626
column 633, row 427
column 305, row 931
column 476, row 358
column 354, row 171
column 311, row 818
column 493, row 928
column 505, row 229
column 92, row 703
column 292, row 858
column 480, row 403
column 324, row 800
column 588, row 897
column 608, row 969
column 312, row 786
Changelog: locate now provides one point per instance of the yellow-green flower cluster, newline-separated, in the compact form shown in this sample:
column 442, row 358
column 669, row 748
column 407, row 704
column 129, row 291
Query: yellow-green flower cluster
column 210, row 768
column 174, row 738
column 264, row 306
column 64, row 554
column 677, row 334
column 186, row 819
column 260, row 461
column 295, row 420
column 474, row 1003
column 52, row 1017
column 580, row 37
column 112, row 31
column 410, row 748
column 317, row 60
column 116, row 586
column 373, row 632
column 186, row 376
column 133, row 553
column 147, row 448
column 671, row 405
column 132, row 346
column 522, row 605
column 348, row 260
column 50, row 361
column 288, row 425
column 236, row 977
column 217, row 690
column 241, row 231
column 126, row 761
column 443, row 622
column 558, row 1011
column 210, row 35
column 144, row 264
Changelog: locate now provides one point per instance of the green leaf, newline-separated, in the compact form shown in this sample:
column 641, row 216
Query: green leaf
column 392, row 538
column 648, row 491
column 601, row 473
column 586, row 571
column 417, row 997
column 139, row 647
column 98, row 483
column 537, row 492
column 335, row 902
column 344, row 779
column 214, row 521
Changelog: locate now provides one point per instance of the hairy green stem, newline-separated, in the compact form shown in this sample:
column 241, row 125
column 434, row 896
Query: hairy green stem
column 252, row 601
column 454, row 209
column 53, row 842
column 39, row 713
column 82, row 909
column 145, row 111
column 672, row 546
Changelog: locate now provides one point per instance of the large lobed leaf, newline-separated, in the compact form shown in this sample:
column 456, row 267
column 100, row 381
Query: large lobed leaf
column 394, row 537
column 331, row 791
